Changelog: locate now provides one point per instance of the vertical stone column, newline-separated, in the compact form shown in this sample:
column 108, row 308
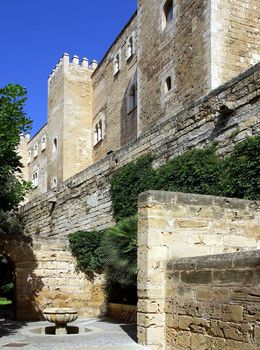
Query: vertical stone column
column 152, row 260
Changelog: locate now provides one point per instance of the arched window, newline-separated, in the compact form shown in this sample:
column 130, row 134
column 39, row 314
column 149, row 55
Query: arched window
column 167, row 13
column 35, row 150
column 132, row 98
column 43, row 143
column 130, row 47
column 167, row 84
column 99, row 128
column 54, row 182
column 55, row 145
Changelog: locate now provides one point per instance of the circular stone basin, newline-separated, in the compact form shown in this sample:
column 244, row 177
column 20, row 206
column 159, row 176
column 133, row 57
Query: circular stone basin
column 60, row 316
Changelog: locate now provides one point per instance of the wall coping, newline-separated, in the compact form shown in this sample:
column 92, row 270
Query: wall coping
column 176, row 198
column 220, row 261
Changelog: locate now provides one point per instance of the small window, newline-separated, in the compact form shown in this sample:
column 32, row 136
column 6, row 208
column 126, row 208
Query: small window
column 43, row 143
column 29, row 157
column 130, row 47
column 167, row 85
column 98, row 132
column 35, row 178
column 167, row 13
column 35, row 150
column 55, row 146
column 54, row 182
column 132, row 98
column 99, row 128
column 117, row 63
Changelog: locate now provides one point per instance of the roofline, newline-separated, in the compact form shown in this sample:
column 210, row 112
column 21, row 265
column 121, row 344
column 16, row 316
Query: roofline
column 38, row 132
column 116, row 39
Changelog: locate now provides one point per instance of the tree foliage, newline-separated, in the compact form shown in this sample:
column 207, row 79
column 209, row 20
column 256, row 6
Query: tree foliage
column 119, row 247
column 13, row 123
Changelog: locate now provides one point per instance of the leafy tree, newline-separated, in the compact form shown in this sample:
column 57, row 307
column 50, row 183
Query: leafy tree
column 13, row 123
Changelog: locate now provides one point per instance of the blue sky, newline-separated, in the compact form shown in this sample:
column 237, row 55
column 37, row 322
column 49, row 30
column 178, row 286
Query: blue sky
column 35, row 34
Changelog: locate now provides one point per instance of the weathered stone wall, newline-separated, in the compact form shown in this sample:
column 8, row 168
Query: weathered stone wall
column 83, row 202
column 70, row 119
column 213, row 302
column 176, row 225
column 235, row 31
column 206, row 43
column 110, row 94
column 180, row 50
column 45, row 276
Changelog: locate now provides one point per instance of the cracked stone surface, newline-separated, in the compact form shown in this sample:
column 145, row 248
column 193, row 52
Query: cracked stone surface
column 104, row 334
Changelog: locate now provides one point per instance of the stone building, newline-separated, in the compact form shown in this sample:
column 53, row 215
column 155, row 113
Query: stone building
column 169, row 54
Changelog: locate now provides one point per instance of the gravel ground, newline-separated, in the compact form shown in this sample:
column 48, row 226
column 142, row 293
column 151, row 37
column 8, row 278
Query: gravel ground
column 101, row 335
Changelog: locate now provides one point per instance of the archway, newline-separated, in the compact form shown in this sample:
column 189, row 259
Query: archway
column 7, row 287
column 19, row 257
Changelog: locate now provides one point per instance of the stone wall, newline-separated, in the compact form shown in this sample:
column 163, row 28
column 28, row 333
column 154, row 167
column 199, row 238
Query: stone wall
column 181, row 50
column 213, row 302
column 235, row 31
column 45, row 276
column 83, row 202
column 110, row 92
column 176, row 225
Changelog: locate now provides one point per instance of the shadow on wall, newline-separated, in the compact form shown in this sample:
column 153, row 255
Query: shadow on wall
column 19, row 249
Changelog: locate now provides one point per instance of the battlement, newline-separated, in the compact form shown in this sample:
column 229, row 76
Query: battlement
column 65, row 62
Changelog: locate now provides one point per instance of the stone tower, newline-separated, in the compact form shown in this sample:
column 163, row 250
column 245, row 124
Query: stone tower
column 69, row 119
column 191, row 47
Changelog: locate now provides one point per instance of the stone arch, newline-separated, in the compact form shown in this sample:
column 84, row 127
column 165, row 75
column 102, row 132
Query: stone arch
column 27, row 285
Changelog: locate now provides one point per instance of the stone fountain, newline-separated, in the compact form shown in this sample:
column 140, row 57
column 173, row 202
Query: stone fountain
column 61, row 317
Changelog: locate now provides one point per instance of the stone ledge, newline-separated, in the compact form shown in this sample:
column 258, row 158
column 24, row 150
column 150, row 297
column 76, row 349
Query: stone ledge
column 249, row 259
column 167, row 198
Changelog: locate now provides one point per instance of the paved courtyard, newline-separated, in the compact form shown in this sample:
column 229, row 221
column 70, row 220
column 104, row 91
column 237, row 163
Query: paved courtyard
column 96, row 334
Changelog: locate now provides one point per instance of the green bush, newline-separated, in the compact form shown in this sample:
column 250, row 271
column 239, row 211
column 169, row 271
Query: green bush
column 240, row 177
column 199, row 171
column 119, row 246
column 195, row 171
column 126, row 184
column 86, row 248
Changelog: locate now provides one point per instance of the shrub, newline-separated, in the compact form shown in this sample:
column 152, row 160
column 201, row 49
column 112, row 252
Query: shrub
column 195, row 171
column 241, row 171
column 119, row 246
column 128, row 182
column 86, row 248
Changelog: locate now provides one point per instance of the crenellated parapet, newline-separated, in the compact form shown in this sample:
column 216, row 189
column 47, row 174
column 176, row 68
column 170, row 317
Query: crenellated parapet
column 66, row 62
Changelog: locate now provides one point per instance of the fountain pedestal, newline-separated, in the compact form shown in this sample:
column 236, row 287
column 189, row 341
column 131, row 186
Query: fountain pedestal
column 61, row 317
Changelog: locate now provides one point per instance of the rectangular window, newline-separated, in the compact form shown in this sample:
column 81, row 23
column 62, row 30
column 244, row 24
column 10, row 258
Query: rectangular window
column 35, row 178
column 117, row 63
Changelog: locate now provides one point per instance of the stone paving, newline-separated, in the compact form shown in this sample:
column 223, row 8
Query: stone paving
column 103, row 334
